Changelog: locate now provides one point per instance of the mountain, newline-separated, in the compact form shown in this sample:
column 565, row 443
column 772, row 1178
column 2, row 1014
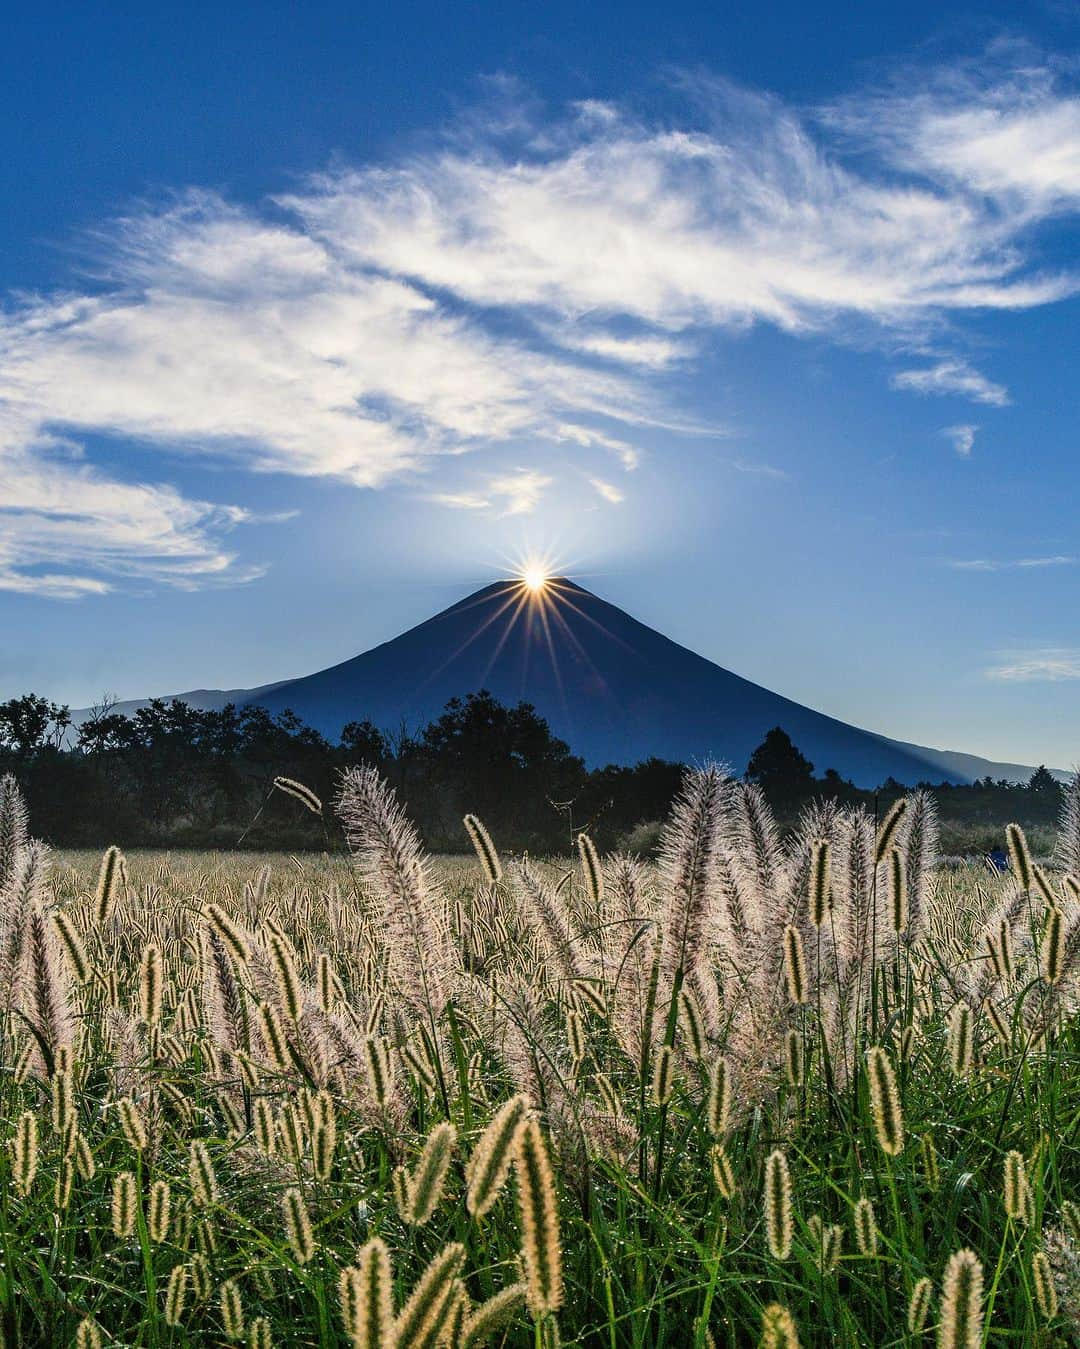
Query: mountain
column 616, row 690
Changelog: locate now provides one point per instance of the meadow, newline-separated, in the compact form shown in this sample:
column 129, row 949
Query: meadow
column 816, row 1090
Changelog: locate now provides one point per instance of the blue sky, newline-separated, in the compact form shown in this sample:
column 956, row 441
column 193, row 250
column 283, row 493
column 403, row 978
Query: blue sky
column 760, row 321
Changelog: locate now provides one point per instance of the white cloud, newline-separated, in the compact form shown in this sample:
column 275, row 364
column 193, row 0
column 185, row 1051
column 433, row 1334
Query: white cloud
column 608, row 491
column 521, row 491
column 459, row 501
column 1012, row 135
column 1013, row 564
column 961, row 438
column 1045, row 664
column 953, row 376
column 531, row 287
column 759, row 469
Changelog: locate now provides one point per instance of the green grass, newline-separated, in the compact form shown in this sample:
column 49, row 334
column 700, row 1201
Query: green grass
column 652, row 1254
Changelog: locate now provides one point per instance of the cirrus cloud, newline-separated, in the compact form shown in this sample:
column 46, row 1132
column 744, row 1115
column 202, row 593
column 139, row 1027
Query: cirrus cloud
column 531, row 285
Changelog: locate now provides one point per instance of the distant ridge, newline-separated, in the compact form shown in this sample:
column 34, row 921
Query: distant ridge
column 616, row 690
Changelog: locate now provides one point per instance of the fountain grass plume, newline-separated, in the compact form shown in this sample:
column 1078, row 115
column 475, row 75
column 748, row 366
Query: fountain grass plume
column 493, row 1155
column 592, row 870
column 45, row 989
column 779, row 1223
column 486, row 852
column 541, row 1252
column 428, row 1308
column 889, row 828
column 1067, row 850
column 303, row 794
column 543, row 905
column 960, row 1326
column 389, row 857
column 13, row 827
column 686, row 864
column 1019, row 856
column 110, row 879
column 885, row 1106
column 921, row 857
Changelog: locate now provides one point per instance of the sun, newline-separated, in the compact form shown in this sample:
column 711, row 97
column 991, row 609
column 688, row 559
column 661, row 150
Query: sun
column 534, row 577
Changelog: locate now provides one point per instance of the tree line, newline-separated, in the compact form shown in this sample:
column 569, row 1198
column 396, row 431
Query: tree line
column 170, row 774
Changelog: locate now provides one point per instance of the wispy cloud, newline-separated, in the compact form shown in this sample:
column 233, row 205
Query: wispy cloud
column 520, row 491
column 1046, row 664
column 531, row 286
column 1012, row 564
column 760, row 469
column 953, row 377
column 459, row 501
column 961, row 438
column 608, row 491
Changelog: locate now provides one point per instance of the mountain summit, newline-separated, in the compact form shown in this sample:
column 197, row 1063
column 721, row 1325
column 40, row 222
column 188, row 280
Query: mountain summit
column 615, row 690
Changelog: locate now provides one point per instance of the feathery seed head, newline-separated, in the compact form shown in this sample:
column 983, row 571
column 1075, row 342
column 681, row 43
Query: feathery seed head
column 24, row 1152
column 778, row 1329
column 1017, row 1189
column 110, row 878
column 795, row 1059
column 820, row 881
column 961, row 1040
column 722, row 1170
column 919, row 1306
column 88, row 1335
column 541, row 1251
column 1019, row 856
column 260, row 1335
column 176, row 1295
column 961, row 1302
column 430, row 1306
column 1052, row 947
column 1042, row 1278
column 151, row 982
column 718, row 1106
column 898, row 890
column 124, row 1200
column 131, row 1122
column 204, row 1185
column 232, row 1311
column 159, row 1211
column 885, row 1104
column 304, row 795
column 72, row 942
column 779, row 1224
column 492, row 1156
column 491, row 1316
column 297, row 1221
column 365, row 1291
column 866, row 1231
column 890, row 825
column 795, row 965
column 663, row 1076
column 486, row 851
column 428, row 1180
column 592, row 871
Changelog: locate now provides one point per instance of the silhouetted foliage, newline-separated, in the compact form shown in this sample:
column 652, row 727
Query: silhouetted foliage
column 779, row 769
column 174, row 774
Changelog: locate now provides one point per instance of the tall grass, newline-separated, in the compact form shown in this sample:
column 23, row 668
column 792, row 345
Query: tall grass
column 820, row 1092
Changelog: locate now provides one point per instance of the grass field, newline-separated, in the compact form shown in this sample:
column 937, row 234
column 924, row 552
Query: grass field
column 820, row 1092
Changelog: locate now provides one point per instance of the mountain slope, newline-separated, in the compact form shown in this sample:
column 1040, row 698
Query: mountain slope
column 615, row 689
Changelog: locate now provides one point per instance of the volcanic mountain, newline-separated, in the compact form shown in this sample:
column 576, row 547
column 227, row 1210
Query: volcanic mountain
column 615, row 690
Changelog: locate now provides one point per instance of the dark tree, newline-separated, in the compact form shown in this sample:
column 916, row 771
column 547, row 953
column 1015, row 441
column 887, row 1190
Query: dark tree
column 363, row 742
column 1044, row 783
column 30, row 724
column 503, row 763
column 779, row 769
